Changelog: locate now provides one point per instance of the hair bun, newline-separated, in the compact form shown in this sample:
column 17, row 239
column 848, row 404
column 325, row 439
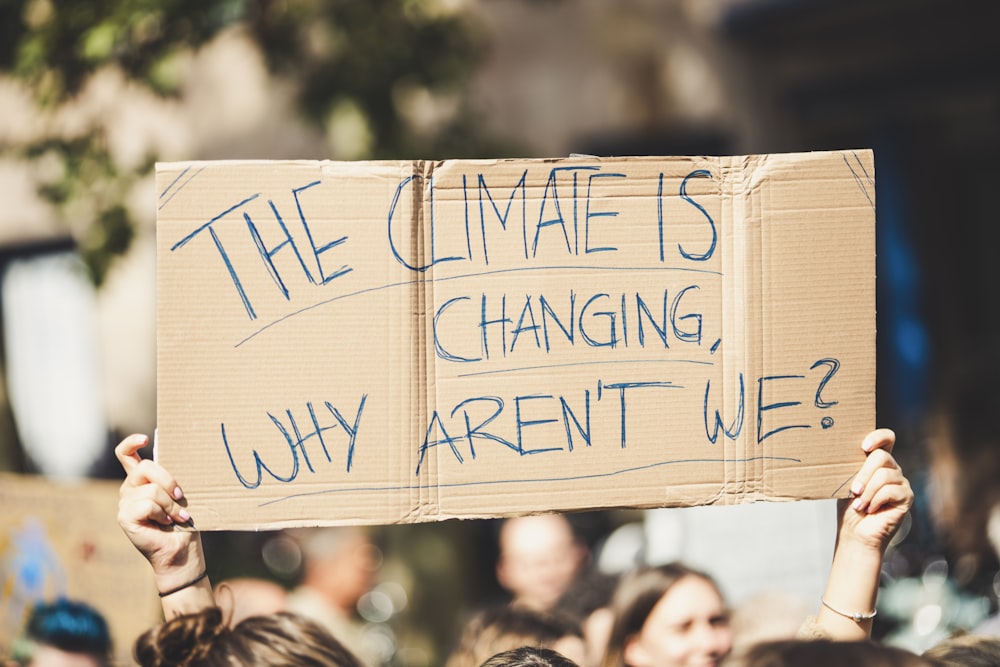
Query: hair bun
column 181, row 642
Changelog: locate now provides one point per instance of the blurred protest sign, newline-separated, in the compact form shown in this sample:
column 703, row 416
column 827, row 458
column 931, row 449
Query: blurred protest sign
column 62, row 540
column 380, row 342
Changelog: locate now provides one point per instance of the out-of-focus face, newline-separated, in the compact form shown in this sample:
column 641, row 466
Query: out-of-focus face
column 347, row 573
column 539, row 558
column 49, row 656
column 688, row 627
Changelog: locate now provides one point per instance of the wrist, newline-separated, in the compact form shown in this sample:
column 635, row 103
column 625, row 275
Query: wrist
column 850, row 538
column 170, row 577
column 187, row 584
column 173, row 569
column 182, row 582
column 856, row 616
column 852, row 589
column 860, row 558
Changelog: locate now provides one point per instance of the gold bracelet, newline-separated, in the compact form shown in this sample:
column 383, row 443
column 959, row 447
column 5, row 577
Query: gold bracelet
column 183, row 586
column 857, row 618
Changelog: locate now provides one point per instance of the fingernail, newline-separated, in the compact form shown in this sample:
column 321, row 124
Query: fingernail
column 178, row 494
column 857, row 505
column 183, row 514
column 857, row 488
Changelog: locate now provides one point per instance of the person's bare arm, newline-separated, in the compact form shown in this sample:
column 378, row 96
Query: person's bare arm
column 881, row 497
column 151, row 513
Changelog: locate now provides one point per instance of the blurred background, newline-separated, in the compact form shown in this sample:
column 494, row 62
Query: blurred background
column 93, row 94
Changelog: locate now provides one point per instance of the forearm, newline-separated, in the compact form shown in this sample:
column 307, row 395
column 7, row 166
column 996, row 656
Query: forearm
column 880, row 498
column 851, row 589
column 180, row 583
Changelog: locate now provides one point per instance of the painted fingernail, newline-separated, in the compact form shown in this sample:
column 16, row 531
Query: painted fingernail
column 857, row 505
column 183, row 514
column 857, row 488
column 178, row 494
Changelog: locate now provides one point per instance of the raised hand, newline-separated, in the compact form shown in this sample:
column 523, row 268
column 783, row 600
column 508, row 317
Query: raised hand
column 151, row 512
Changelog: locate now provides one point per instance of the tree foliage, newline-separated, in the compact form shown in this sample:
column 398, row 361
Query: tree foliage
column 365, row 57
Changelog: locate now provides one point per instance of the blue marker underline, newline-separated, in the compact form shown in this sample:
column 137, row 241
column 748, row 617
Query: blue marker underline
column 545, row 480
column 479, row 274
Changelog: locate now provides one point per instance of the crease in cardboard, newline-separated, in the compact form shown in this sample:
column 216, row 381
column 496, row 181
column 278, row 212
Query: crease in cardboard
column 432, row 506
column 421, row 195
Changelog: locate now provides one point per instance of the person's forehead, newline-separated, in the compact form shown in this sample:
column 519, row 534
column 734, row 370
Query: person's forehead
column 49, row 656
column 526, row 532
column 690, row 597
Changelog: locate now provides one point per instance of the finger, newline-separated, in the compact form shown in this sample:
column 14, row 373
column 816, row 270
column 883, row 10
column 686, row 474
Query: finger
column 891, row 495
column 127, row 451
column 878, row 479
column 150, row 472
column 152, row 503
column 142, row 512
column 876, row 460
column 881, row 438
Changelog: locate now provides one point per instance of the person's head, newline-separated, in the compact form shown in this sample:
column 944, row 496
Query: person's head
column 506, row 627
column 969, row 650
column 539, row 557
column 529, row 656
column 829, row 653
column 338, row 562
column 63, row 633
column 243, row 597
column 588, row 601
column 965, row 457
column 204, row 639
column 767, row 616
column 668, row 616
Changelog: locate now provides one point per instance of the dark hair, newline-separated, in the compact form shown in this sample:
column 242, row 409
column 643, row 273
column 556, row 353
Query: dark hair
column 529, row 656
column 203, row 639
column 506, row 627
column 74, row 627
column 830, row 653
column 592, row 590
column 964, row 461
column 634, row 599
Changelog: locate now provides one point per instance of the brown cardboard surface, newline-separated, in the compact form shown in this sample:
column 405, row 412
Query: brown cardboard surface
column 62, row 540
column 381, row 342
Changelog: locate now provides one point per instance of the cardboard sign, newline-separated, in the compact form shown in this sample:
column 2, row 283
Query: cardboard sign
column 62, row 540
column 381, row 342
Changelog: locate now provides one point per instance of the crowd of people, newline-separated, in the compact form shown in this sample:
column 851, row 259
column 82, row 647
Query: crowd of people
column 561, row 612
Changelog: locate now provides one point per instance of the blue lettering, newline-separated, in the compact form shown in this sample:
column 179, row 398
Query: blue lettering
column 698, row 173
column 762, row 408
column 734, row 429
